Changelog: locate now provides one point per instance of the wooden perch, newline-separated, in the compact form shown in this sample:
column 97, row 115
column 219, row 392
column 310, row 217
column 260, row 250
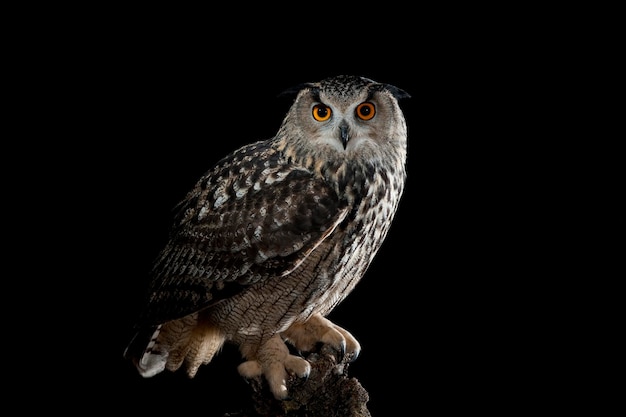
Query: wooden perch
column 327, row 392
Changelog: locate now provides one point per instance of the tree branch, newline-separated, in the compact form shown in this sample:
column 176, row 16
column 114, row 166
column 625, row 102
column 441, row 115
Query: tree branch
column 327, row 392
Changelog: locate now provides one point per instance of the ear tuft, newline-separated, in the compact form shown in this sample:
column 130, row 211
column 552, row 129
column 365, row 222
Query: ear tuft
column 291, row 92
column 398, row 93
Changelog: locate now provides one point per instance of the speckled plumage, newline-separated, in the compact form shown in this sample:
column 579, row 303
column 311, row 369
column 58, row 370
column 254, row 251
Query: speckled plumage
column 279, row 232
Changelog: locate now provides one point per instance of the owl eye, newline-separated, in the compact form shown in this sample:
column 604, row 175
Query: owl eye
column 365, row 111
column 321, row 112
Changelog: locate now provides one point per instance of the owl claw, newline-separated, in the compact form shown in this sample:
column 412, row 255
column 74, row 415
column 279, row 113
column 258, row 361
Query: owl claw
column 337, row 350
column 342, row 351
column 305, row 335
column 355, row 354
column 275, row 363
column 351, row 346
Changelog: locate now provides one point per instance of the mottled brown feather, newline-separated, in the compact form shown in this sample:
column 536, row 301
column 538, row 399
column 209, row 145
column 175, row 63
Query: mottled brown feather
column 210, row 256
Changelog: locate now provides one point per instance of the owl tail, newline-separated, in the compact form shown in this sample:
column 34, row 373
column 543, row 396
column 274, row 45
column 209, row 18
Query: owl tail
column 144, row 350
column 169, row 345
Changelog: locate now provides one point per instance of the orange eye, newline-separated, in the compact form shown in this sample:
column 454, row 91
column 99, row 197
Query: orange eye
column 365, row 111
column 321, row 113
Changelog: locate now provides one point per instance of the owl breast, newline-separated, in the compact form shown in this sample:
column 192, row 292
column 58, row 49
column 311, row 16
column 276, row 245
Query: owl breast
column 375, row 198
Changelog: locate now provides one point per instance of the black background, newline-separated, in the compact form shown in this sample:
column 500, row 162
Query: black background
column 497, row 257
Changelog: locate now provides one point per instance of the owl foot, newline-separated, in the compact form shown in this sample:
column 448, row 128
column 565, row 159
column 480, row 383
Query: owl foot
column 304, row 336
column 275, row 363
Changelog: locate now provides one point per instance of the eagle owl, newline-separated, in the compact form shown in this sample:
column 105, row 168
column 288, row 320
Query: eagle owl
column 276, row 234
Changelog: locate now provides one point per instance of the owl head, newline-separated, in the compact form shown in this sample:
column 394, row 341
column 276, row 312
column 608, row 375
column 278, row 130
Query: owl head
column 341, row 116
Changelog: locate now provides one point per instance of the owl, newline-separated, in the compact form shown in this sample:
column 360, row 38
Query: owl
column 276, row 235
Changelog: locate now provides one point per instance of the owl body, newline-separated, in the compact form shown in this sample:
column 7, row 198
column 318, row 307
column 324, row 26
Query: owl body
column 278, row 233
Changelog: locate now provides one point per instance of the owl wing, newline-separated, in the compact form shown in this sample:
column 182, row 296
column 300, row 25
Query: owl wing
column 228, row 238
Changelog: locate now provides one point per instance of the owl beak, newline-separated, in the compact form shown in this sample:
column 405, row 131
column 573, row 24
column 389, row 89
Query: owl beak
column 344, row 132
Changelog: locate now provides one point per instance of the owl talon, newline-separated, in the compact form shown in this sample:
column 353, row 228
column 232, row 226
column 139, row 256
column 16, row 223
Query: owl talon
column 355, row 354
column 275, row 363
column 304, row 336
column 351, row 346
column 342, row 351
